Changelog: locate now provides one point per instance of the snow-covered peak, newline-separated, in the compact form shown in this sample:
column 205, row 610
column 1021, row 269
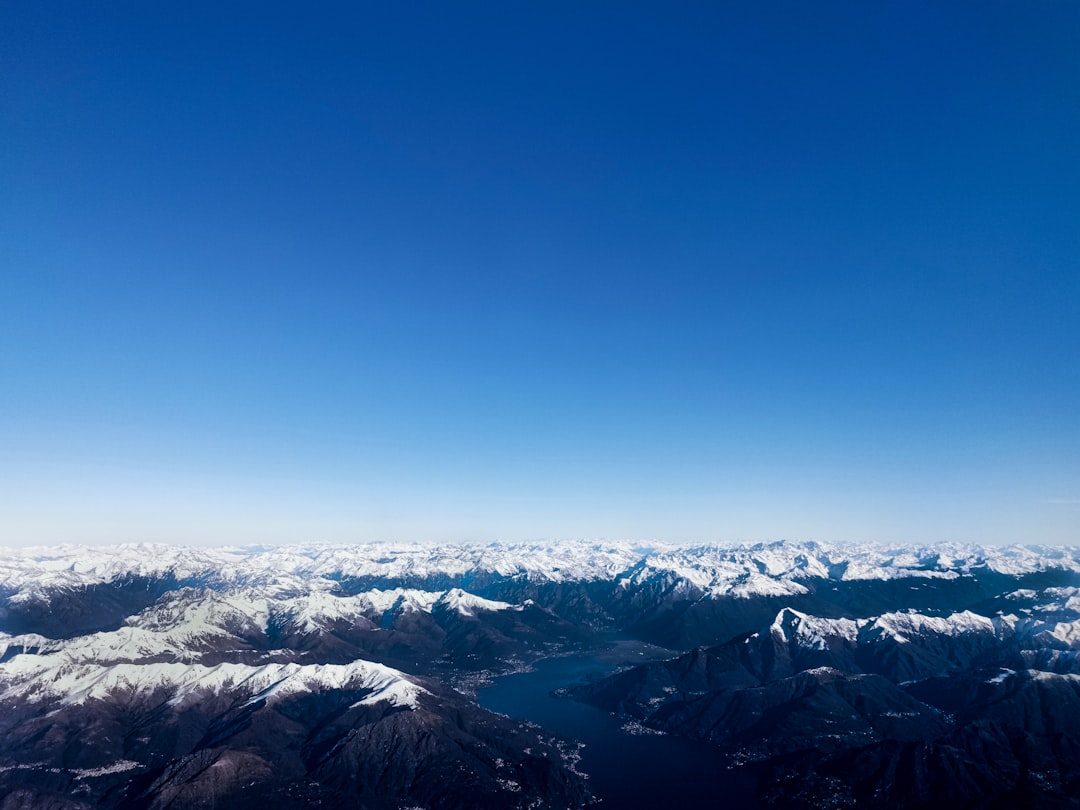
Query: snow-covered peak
column 200, row 609
column 903, row 626
column 469, row 605
column 41, row 678
column 399, row 599
column 812, row 632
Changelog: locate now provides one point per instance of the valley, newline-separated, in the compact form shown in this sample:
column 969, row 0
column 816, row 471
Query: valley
column 539, row 676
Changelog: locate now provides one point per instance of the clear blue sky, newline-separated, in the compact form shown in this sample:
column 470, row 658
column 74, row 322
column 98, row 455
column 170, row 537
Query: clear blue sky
column 701, row 271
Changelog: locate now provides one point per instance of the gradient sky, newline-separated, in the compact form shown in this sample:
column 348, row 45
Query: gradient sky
column 699, row 272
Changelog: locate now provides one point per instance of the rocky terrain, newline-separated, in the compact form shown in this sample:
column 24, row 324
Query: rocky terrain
column 163, row 676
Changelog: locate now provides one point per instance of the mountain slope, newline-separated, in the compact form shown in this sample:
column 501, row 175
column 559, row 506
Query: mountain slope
column 163, row 676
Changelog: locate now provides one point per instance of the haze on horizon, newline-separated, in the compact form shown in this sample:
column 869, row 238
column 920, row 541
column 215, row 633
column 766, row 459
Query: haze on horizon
column 697, row 273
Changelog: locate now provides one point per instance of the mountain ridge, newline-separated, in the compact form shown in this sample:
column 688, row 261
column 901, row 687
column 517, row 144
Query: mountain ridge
column 152, row 676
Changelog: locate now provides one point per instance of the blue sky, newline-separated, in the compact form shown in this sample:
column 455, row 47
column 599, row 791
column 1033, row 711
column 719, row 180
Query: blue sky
column 698, row 272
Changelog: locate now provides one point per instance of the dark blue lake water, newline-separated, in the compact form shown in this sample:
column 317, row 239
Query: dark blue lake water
column 625, row 770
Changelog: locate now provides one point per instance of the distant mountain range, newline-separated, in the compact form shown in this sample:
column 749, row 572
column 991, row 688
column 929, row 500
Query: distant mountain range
column 140, row 676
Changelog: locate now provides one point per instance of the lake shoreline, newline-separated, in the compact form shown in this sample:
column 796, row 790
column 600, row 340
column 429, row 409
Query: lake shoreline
column 627, row 766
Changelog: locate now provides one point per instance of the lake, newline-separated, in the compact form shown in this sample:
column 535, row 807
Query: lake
column 625, row 770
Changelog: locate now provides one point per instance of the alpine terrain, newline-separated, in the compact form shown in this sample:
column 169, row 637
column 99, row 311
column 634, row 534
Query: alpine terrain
column 140, row 676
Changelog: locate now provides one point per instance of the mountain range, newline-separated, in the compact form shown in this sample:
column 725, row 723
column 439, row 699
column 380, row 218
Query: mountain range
column 145, row 676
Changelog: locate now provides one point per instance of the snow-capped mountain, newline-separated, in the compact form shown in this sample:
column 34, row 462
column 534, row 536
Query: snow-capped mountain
column 42, row 678
column 750, row 570
column 154, row 676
